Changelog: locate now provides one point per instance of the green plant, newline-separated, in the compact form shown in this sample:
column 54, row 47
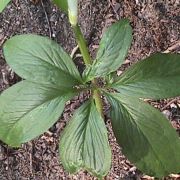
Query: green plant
column 3, row 4
column 33, row 105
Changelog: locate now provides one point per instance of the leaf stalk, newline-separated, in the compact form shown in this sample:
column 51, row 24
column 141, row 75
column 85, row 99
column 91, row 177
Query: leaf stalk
column 82, row 44
column 98, row 101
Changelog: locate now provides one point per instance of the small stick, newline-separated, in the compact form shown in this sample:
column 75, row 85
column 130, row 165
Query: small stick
column 47, row 19
column 173, row 47
column 74, row 51
column 168, row 104
column 117, row 15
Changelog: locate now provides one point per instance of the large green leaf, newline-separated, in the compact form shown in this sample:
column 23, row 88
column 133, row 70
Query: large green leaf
column 84, row 143
column 3, row 4
column 28, row 109
column 62, row 4
column 112, row 50
column 39, row 59
column 145, row 135
column 156, row 77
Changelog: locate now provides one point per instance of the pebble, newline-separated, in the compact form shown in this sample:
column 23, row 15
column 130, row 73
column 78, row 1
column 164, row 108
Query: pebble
column 133, row 169
column 173, row 106
column 167, row 113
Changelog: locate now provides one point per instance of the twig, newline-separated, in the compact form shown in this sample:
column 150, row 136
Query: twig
column 173, row 47
column 3, row 40
column 74, row 51
column 117, row 15
column 168, row 104
column 47, row 19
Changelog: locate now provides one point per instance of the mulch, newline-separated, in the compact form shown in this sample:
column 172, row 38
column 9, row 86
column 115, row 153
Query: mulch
column 156, row 27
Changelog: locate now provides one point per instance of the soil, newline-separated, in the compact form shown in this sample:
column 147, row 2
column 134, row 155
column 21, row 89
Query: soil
column 156, row 27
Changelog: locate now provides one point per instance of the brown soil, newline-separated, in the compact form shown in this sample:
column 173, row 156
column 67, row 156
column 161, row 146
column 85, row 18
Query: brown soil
column 155, row 29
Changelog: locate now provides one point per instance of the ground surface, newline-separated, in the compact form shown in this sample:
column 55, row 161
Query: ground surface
column 155, row 29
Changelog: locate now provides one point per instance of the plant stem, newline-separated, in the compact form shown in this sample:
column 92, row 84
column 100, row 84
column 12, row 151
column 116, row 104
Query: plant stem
column 87, row 60
column 98, row 101
column 82, row 45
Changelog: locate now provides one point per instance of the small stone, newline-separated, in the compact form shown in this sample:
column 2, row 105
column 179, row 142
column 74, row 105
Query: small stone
column 167, row 113
column 119, row 73
column 173, row 106
column 133, row 169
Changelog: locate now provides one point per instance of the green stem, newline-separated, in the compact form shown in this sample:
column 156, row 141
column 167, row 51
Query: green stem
column 82, row 45
column 87, row 60
column 98, row 101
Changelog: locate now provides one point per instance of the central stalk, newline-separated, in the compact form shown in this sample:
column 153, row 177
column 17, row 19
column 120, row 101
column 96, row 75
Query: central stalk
column 87, row 60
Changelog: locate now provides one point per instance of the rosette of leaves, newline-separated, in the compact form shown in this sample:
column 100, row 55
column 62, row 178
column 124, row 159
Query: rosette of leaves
column 50, row 78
